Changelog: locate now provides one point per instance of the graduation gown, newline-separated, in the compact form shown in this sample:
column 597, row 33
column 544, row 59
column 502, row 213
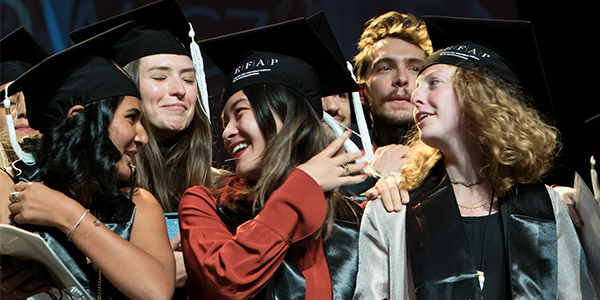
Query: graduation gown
column 425, row 253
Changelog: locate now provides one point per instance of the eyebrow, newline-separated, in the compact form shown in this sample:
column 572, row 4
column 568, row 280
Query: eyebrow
column 391, row 59
column 224, row 117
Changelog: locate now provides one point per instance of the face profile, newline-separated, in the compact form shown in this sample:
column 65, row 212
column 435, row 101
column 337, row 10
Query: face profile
column 338, row 106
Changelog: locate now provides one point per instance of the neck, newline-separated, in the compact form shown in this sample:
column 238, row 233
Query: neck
column 386, row 134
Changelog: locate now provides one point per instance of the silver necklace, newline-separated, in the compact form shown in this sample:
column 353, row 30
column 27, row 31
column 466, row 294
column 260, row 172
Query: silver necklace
column 466, row 183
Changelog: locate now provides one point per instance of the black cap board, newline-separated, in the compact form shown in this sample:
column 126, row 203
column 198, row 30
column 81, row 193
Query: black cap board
column 291, row 53
column 74, row 76
column 18, row 53
column 161, row 27
column 507, row 48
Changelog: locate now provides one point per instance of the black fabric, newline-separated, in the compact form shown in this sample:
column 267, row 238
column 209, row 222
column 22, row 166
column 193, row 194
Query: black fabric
column 442, row 262
column 494, row 264
column 75, row 76
column 18, row 53
column 507, row 49
column 297, row 39
column 340, row 249
column 161, row 27
column 117, row 215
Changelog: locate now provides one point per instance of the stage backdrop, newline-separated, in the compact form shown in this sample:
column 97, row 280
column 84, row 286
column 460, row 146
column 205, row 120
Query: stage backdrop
column 559, row 30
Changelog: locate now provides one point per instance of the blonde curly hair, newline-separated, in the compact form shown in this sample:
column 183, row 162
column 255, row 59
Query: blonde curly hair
column 392, row 24
column 519, row 146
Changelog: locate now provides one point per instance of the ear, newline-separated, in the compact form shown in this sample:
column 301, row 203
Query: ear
column 74, row 110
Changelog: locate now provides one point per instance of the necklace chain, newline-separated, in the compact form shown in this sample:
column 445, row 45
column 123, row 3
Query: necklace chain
column 474, row 207
column 467, row 183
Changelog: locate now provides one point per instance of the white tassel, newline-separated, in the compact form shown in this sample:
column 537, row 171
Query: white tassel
column 360, row 119
column 12, row 134
column 200, row 75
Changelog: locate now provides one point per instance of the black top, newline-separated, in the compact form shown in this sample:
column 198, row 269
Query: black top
column 494, row 264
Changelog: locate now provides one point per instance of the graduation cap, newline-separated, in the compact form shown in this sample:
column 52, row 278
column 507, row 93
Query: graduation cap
column 291, row 53
column 75, row 76
column 18, row 53
column 506, row 48
column 161, row 28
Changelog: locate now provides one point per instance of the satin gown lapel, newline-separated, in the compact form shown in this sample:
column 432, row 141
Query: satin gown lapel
column 441, row 261
column 532, row 264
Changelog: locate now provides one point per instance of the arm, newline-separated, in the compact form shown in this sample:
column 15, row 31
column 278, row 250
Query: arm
column 6, row 185
column 383, row 270
column 573, row 280
column 142, row 268
column 237, row 266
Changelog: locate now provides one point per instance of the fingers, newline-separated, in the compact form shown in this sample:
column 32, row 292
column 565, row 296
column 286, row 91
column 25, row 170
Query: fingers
column 393, row 194
column 575, row 216
column 175, row 242
column 335, row 146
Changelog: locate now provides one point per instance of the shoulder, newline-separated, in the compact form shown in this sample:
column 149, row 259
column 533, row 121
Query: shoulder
column 197, row 195
column 142, row 198
column 376, row 217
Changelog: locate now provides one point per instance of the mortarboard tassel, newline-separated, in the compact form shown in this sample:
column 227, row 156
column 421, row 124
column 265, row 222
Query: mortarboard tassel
column 200, row 75
column 360, row 119
column 12, row 134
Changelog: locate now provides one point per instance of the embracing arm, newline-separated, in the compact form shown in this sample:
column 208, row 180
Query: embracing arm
column 573, row 279
column 236, row 266
column 382, row 261
column 142, row 268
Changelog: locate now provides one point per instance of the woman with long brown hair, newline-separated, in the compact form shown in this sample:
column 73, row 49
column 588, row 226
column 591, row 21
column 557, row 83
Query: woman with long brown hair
column 267, row 231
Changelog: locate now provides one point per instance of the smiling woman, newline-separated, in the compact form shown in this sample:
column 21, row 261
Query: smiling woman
column 109, row 234
column 157, row 57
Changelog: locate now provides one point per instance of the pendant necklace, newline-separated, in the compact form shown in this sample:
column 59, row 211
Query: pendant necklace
column 480, row 273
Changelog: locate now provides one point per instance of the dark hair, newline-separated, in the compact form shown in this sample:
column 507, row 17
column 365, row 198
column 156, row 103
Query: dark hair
column 77, row 157
column 301, row 137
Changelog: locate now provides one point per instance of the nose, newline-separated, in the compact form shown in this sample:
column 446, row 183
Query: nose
column 329, row 105
column 417, row 98
column 176, row 88
column 401, row 79
column 141, row 137
column 21, row 109
column 229, row 132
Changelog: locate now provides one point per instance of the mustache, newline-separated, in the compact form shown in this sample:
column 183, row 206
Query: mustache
column 393, row 93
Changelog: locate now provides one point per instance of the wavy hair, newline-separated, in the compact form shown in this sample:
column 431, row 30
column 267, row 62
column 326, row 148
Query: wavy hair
column 392, row 24
column 301, row 137
column 70, row 165
column 187, row 164
column 518, row 144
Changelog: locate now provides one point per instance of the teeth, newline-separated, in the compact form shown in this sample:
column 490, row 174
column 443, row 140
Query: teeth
column 239, row 147
column 421, row 117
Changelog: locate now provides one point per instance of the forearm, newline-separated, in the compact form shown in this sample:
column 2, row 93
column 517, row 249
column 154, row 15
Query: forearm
column 132, row 270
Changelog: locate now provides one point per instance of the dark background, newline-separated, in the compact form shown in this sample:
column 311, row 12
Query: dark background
column 564, row 31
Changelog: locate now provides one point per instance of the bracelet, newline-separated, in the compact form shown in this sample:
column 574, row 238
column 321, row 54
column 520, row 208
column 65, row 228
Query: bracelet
column 96, row 224
column 70, row 234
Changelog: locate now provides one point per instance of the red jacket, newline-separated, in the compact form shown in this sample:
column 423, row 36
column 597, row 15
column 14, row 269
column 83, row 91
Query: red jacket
column 222, row 265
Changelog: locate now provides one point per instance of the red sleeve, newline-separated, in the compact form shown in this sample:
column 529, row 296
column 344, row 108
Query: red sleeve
column 225, row 266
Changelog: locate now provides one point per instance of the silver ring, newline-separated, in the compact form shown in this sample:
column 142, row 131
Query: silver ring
column 346, row 169
column 14, row 197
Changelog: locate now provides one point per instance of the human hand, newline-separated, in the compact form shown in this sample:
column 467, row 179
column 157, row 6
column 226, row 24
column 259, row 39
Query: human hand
column 35, row 203
column 567, row 195
column 19, row 284
column 394, row 196
column 329, row 171
column 389, row 159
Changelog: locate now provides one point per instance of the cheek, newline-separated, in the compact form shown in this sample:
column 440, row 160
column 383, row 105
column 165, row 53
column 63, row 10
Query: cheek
column 151, row 93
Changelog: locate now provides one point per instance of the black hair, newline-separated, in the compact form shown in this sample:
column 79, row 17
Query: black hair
column 77, row 157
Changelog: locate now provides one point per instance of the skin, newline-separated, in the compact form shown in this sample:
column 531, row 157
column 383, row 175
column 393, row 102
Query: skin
column 338, row 106
column 441, row 125
column 142, row 268
column 19, row 115
column 390, row 80
column 168, row 89
column 241, row 127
